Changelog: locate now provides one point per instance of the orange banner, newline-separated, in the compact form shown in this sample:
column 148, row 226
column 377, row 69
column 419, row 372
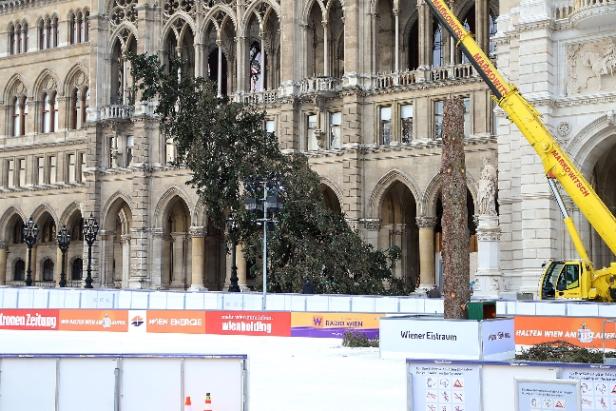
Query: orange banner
column 176, row 321
column 276, row 323
column 581, row 331
column 93, row 320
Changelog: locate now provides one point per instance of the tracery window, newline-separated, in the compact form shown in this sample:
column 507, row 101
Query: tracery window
column 123, row 10
column 48, row 33
column 79, row 26
column 18, row 38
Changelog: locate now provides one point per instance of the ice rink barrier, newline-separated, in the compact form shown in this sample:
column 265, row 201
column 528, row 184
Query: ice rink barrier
column 32, row 297
column 152, row 382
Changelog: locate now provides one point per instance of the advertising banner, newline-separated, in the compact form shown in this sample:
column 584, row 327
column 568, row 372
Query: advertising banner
column 29, row 319
column 333, row 325
column 93, row 320
column 597, row 387
column 537, row 395
column 176, row 321
column 582, row 331
column 248, row 323
column 445, row 387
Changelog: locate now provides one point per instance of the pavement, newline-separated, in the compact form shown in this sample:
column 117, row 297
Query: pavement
column 285, row 374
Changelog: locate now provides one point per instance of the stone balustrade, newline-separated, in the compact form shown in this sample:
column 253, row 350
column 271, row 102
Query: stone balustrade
column 116, row 111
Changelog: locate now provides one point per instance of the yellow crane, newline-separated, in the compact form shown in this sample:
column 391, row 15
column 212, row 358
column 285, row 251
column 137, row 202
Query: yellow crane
column 575, row 279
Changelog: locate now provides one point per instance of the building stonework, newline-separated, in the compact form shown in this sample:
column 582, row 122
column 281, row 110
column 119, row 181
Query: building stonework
column 359, row 86
column 562, row 56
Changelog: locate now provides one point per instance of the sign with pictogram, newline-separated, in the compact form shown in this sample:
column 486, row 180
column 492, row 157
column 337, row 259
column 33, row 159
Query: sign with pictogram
column 436, row 387
column 597, row 387
column 547, row 395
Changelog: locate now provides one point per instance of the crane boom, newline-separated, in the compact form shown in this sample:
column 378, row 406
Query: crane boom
column 556, row 161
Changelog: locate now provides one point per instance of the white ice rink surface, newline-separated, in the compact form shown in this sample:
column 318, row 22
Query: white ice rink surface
column 285, row 374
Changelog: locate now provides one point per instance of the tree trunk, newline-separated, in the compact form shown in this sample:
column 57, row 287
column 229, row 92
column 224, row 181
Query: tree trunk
column 456, row 289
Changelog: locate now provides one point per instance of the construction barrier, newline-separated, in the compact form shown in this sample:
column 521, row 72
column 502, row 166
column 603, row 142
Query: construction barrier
column 103, row 382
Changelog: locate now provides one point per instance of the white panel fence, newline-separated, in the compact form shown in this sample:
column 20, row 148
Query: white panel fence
column 32, row 297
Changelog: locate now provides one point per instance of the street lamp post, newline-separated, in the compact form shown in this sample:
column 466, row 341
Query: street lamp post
column 270, row 201
column 90, row 229
column 64, row 239
column 232, row 228
column 30, row 234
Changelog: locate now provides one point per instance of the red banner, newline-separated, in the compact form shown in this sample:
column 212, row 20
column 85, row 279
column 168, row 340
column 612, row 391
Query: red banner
column 30, row 319
column 585, row 332
column 248, row 323
column 176, row 321
column 94, row 320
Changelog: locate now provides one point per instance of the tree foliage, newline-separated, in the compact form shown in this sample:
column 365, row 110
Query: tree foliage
column 311, row 248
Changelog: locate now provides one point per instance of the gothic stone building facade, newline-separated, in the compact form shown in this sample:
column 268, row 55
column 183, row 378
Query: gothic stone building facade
column 358, row 85
column 562, row 55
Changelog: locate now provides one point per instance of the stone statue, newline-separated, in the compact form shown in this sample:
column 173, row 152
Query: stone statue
column 487, row 190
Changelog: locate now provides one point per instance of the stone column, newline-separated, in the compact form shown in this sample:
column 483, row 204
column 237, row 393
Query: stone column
column 426, row 251
column 58, row 266
column 481, row 24
column 2, row 263
column 198, row 258
column 241, row 267
column 423, row 26
column 489, row 281
column 325, row 49
column 397, row 42
column 179, row 271
column 125, row 238
column 198, row 59
column 219, row 70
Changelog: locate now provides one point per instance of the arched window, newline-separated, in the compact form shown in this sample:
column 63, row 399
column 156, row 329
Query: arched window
column 48, row 270
column 46, row 112
column 77, row 231
column 77, row 269
column 86, row 27
column 256, row 72
column 17, row 114
column 72, row 26
column 75, row 109
column 492, row 32
column 18, row 39
column 56, row 118
column 41, row 34
column 19, row 270
column 18, row 230
column 49, row 232
column 437, row 46
column 54, row 32
column 78, row 27
column 12, row 40
column 85, row 104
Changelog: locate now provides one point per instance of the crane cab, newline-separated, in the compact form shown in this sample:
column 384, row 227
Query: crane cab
column 561, row 280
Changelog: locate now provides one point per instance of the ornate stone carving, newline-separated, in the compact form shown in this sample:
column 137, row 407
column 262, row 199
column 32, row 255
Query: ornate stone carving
column 564, row 129
column 197, row 232
column 591, row 66
column 487, row 190
column 491, row 235
column 426, row 221
column 123, row 10
column 372, row 224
